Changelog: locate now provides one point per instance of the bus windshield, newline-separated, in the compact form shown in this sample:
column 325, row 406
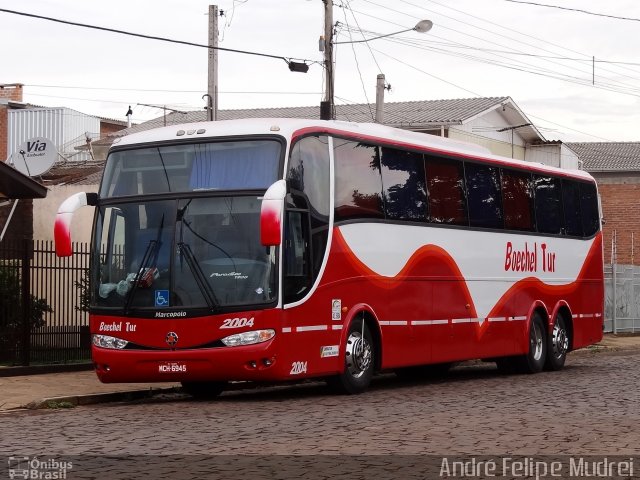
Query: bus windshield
column 178, row 227
column 224, row 165
column 184, row 253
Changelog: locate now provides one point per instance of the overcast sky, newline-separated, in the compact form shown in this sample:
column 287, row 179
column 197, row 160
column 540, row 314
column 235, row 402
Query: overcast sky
column 542, row 57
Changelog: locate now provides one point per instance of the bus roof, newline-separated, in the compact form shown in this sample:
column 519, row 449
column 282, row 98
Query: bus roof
column 290, row 128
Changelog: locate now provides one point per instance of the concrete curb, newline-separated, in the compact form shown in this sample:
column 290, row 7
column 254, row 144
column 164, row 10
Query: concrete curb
column 44, row 369
column 95, row 398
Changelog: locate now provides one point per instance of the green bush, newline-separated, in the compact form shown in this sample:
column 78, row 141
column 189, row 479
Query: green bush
column 11, row 306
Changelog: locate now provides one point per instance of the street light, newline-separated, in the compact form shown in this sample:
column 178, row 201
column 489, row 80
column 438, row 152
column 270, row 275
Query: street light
column 422, row 26
column 327, row 107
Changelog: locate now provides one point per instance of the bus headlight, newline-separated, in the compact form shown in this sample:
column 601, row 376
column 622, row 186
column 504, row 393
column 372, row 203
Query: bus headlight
column 105, row 341
column 249, row 338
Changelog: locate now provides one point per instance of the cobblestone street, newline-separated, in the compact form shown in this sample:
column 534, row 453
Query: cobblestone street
column 589, row 408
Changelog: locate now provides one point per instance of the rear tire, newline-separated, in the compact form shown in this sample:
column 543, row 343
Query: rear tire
column 203, row 390
column 557, row 345
column 533, row 361
column 359, row 360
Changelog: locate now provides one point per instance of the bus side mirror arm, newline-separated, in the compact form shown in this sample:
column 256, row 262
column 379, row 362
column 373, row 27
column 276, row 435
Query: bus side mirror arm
column 62, row 226
column 271, row 214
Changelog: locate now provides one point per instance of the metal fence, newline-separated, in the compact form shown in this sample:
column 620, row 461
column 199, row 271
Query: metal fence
column 42, row 316
column 622, row 298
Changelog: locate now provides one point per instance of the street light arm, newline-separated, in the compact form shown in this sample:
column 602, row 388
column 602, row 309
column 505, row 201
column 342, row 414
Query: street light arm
column 422, row 26
column 375, row 38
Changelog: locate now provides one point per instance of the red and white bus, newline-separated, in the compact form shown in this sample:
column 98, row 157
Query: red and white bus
column 281, row 249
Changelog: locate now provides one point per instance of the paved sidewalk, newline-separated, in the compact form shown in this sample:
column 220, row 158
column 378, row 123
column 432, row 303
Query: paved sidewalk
column 78, row 388
column 33, row 391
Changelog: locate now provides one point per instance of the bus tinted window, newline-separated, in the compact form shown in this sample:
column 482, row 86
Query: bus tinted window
column 548, row 201
column 589, row 208
column 245, row 164
column 571, row 208
column 483, row 190
column 517, row 200
column 308, row 179
column 358, row 184
column 445, row 187
column 405, row 194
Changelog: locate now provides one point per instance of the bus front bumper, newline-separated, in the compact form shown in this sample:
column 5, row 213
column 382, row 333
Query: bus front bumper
column 252, row 362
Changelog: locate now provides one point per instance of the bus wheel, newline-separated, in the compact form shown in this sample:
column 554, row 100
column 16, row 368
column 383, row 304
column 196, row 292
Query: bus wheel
column 533, row 361
column 358, row 360
column 557, row 345
column 203, row 390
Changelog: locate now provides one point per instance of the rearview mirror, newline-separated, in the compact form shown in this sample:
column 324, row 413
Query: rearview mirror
column 271, row 214
column 62, row 226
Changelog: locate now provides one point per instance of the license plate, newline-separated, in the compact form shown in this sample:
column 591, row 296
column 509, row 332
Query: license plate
column 172, row 367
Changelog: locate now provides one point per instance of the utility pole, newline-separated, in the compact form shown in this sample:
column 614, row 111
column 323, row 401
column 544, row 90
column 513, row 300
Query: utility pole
column 326, row 106
column 212, row 88
column 380, row 87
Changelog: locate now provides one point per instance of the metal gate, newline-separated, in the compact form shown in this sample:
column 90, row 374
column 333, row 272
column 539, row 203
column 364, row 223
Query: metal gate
column 43, row 319
column 622, row 298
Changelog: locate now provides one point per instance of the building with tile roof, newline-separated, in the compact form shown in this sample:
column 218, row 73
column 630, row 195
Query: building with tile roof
column 495, row 123
column 616, row 167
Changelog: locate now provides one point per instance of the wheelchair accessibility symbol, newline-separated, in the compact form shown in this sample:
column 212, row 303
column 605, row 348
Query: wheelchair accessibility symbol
column 162, row 298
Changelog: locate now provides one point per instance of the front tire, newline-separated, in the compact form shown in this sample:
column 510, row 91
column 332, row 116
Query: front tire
column 359, row 360
column 534, row 360
column 557, row 345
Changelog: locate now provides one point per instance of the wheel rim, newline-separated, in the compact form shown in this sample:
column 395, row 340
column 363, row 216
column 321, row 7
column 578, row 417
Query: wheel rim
column 358, row 354
column 560, row 339
column 536, row 341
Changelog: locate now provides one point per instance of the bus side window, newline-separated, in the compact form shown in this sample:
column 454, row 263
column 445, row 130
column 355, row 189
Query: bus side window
column 589, row 208
column 405, row 190
column 483, row 190
column 309, row 185
column 358, row 182
column 297, row 279
column 445, row 190
column 571, row 208
column 517, row 200
column 548, row 201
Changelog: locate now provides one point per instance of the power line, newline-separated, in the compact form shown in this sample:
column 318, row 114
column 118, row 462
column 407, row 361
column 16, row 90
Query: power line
column 151, row 37
column 576, row 10
column 589, row 72
column 515, row 52
column 355, row 56
column 495, row 24
column 429, row 74
column 362, row 33
column 157, row 90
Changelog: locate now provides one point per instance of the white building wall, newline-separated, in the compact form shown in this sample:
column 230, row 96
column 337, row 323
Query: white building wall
column 64, row 127
column 45, row 209
column 483, row 131
column 555, row 155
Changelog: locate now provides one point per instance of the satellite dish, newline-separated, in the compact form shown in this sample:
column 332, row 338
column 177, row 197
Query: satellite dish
column 34, row 157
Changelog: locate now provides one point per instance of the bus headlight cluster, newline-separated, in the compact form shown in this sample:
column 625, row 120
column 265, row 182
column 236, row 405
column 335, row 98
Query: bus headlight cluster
column 105, row 341
column 249, row 338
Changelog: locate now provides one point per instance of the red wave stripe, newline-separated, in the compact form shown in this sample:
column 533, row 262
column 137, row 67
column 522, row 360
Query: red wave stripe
column 450, row 295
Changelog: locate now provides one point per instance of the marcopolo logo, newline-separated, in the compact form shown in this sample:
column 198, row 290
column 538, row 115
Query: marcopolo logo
column 38, row 468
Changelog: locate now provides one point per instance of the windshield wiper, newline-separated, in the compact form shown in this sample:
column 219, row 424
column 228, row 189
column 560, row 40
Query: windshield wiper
column 198, row 274
column 152, row 248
